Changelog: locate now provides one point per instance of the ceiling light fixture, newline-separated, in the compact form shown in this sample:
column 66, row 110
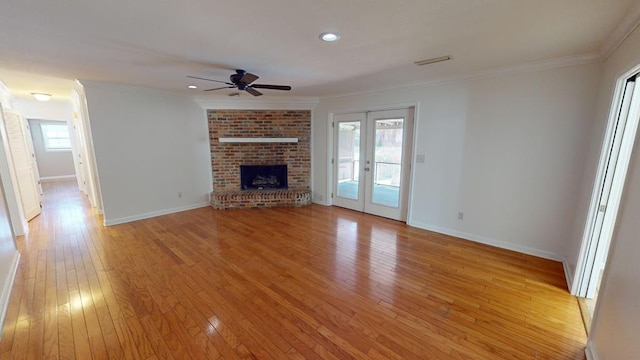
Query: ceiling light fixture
column 192, row 86
column 41, row 96
column 433, row 60
column 329, row 37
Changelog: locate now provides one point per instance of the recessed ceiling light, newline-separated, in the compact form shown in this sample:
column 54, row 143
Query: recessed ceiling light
column 41, row 96
column 329, row 37
column 192, row 86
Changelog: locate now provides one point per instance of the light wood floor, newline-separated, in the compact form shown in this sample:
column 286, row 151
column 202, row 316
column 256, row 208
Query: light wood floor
column 315, row 283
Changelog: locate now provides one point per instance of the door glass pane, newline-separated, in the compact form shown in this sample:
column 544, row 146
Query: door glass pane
column 348, row 159
column 387, row 162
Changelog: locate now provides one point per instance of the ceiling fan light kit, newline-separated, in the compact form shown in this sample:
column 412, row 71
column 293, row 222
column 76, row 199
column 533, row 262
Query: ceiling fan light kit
column 243, row 80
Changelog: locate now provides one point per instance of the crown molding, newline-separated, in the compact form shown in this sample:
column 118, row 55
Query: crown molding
column 506, row 70
column 4, row 87
column 628, row 24
column 264, row 103
column 561, row 62
column 216, row 102
column 6, row 94
column 82, row 85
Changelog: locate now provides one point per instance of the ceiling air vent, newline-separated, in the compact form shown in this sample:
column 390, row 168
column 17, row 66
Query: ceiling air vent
column 433, row 60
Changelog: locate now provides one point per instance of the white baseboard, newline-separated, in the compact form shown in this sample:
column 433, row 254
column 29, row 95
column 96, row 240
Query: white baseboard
column 56, row 178
column 24, row 230
column 568, row 275
column 148, row 215
column 488, row 241
column 590, row 351
column 6, row 292
column 323, row 203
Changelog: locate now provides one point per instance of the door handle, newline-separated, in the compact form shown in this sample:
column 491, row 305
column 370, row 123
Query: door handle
column 367, row 169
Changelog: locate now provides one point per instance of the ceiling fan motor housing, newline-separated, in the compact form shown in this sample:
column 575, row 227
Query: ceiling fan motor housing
column 235, row 78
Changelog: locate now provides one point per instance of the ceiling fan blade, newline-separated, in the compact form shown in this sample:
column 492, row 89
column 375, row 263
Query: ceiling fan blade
column 248, row 78
column 253, row 91
column 199, row 78
column 272, row 87
column 224, row 87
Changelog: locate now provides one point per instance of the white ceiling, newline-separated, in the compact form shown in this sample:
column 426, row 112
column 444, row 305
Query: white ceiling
column 157, row 43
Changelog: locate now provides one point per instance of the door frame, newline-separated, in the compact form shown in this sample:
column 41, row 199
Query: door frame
column 584, row 274
column 86, row 149
column 410, row 161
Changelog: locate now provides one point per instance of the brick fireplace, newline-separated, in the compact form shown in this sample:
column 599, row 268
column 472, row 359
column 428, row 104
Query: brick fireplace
column 268, row 137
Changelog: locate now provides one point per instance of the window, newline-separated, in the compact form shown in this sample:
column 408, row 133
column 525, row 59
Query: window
column 56, row 137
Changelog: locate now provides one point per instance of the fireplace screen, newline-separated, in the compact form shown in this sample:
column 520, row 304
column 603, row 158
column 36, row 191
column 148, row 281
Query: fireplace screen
column 254, row 177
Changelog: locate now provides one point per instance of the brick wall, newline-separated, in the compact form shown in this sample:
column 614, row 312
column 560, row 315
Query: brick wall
column 226, row 158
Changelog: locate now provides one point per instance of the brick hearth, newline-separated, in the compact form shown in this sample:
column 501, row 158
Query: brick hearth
column 260, row 198
column 226, row 158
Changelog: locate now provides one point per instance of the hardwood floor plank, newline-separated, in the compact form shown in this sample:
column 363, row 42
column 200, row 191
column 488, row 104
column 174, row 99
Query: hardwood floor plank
column 140, row 338
column 127, row 343
column 11, row 318
column 157, row 341
column 299, row 283
column 158, row 322
column 109, row 335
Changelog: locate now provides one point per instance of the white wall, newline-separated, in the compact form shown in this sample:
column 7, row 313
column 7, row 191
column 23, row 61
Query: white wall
column 616, row 321
column 8, row 257
column 8, row 254
column 149, row 146
column 54, row 109
column 51, row 164
column 507, row 150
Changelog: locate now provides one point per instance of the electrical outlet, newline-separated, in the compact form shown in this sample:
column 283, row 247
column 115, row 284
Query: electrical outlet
column 460, row 215
column 420, row 159
column 179, row 194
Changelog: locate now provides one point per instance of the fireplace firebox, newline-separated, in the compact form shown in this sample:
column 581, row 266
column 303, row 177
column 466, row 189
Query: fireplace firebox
column 257, row 177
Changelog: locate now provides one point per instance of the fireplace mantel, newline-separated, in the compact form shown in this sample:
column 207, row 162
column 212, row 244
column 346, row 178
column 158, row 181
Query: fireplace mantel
column 257, row 140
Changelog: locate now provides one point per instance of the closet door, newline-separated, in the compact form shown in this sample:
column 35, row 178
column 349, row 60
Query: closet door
column 23, row 162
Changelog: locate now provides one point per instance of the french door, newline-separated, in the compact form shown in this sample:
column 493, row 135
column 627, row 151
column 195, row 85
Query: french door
column 371, row 161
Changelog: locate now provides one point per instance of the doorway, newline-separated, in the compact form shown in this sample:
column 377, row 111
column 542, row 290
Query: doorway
column 372, row 162
column 607, row 192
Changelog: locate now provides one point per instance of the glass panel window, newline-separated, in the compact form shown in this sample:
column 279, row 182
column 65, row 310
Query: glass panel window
column 349, row 159
column 56, row 137
column 388, row 162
